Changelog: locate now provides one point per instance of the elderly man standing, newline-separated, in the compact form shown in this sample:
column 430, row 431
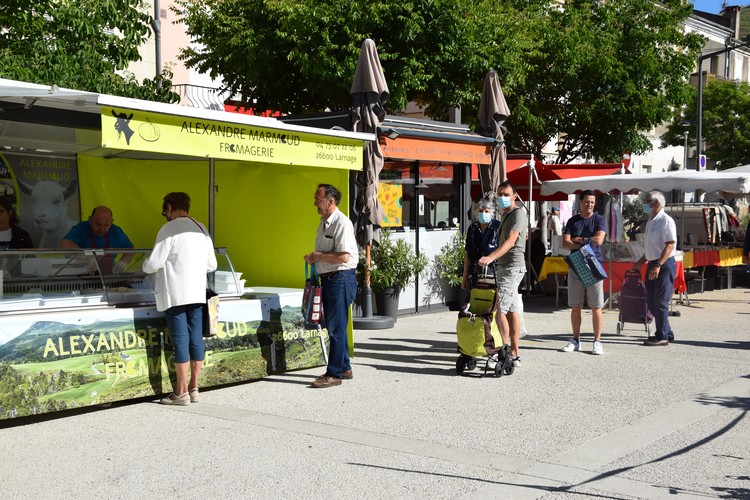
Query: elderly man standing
column 660, row 238
column 335, row 258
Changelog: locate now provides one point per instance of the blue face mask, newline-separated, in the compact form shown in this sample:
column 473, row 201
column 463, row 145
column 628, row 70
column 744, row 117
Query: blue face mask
column 484, row 217
column 503, row 201
column 647, row 208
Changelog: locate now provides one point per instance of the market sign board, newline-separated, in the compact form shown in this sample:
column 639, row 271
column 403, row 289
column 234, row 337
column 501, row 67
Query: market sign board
column 70, row 359
column 152, row 132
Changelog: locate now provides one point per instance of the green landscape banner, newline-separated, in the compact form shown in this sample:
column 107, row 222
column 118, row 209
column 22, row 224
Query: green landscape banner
column 68, row 359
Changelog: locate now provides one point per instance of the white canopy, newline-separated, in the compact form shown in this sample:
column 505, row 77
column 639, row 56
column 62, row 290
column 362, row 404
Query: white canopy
column 741, row 168
column 730, row 185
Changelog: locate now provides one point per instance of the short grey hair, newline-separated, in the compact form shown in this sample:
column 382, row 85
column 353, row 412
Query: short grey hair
column 657, row 196
column 484, row 204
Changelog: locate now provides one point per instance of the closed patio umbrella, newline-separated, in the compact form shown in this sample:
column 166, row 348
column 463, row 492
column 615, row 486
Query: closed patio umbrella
column 370, row 92
column 493, row 111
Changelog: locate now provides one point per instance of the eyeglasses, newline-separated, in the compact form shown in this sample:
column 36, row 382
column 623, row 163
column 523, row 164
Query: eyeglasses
column 163, row 213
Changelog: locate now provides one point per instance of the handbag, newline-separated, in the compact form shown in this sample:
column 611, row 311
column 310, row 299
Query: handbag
column 211, row 314
column 312, row 298
column 587, row 267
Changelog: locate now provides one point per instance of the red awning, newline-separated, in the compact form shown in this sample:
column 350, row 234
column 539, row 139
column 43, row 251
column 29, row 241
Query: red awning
column 520, row 177
column 517, row 170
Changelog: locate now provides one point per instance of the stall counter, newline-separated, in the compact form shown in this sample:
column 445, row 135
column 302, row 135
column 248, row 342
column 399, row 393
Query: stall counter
column 58, row 356
column 557, row 265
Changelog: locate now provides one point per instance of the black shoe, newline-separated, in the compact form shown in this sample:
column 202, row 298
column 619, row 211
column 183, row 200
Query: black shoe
column 655, row 341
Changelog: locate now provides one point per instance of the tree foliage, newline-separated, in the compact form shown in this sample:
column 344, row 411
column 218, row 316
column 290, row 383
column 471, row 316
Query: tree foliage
column 726, row 123
column 78, row 45
column 598, row 72
column 605, row 72
column 300, row 56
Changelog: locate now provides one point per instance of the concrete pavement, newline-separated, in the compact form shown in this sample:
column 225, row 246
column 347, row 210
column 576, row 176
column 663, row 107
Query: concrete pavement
column 637, row 422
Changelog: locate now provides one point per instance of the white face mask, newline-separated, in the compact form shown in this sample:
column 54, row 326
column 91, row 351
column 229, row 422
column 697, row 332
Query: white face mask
column 503, row 201
column 484, row 217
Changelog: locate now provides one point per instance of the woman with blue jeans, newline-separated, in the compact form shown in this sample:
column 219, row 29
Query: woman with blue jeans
column 182, row 255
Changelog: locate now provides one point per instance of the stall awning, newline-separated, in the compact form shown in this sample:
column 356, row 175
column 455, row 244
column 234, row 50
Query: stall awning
column 62, row 121
column 519, row 176
column 401, row 142
column 729, row 185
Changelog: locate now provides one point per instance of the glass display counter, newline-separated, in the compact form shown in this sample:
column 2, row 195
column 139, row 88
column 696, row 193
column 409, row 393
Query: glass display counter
column 80, row 328
column 45, row 279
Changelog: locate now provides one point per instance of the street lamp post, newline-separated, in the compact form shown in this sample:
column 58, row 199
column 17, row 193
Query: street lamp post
column 699, row 125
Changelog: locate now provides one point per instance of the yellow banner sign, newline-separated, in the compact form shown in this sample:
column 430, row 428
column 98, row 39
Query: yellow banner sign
column 159, row 133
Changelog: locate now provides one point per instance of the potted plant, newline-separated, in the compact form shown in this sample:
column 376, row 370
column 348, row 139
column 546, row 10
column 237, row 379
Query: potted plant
column 393, row 265
column 447, row 270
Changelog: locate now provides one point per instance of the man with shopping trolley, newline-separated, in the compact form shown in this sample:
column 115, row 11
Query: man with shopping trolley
column 511, row 266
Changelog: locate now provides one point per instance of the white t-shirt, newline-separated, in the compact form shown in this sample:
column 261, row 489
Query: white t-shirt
column 6, row 234
column 659, row 231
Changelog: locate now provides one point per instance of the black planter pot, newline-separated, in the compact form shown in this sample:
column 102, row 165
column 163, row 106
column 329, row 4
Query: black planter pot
column 386, row 302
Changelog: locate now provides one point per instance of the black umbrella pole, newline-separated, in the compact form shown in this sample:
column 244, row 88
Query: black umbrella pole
column 367, row 302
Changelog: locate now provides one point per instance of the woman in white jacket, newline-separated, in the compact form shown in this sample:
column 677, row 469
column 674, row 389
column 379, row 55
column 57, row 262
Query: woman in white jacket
column 183, row 253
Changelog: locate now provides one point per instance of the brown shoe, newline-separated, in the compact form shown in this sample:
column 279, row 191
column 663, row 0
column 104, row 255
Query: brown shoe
column 347, row 375
column 326, row 381
column 655, row 341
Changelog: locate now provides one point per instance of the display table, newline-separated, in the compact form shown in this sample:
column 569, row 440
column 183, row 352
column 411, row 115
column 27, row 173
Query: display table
column 556, row 265
column 727, row 257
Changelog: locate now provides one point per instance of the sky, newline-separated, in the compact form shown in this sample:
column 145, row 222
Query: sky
column 715, row 6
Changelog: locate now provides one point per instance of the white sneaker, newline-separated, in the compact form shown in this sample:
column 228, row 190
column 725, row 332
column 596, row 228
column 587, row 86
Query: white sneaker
column 573, row 345
column 516, row 361
column 598, row 349
column 492, row 362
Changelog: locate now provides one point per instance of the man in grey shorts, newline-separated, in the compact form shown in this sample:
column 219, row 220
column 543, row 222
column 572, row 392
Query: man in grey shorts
column 511, row 265
column 584, row 228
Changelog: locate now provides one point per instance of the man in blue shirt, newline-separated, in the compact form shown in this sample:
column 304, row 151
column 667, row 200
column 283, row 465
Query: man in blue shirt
column 587, row 227
column 99, row 232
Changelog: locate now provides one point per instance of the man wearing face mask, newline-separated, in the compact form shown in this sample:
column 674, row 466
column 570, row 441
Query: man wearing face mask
column 584, row 228
column 659, row 245
column 511, row 265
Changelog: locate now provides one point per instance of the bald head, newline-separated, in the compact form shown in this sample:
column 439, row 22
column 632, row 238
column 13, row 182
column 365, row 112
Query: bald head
column 101, row 220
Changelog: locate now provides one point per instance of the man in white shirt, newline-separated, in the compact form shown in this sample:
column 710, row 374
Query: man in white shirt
column 659, row 245
column 335, row 257
column 554, row 224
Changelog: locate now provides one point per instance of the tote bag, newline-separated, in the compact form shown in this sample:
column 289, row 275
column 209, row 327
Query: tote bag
column 211, row 314
column 312, row 298
column 587, row 267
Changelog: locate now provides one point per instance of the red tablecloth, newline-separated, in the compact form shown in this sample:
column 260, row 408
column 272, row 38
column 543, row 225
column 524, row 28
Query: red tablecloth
column 706, row 258
column 620, row 268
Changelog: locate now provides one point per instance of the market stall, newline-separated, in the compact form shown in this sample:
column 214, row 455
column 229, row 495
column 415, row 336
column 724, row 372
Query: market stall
column 728, row 184
column 97, row 336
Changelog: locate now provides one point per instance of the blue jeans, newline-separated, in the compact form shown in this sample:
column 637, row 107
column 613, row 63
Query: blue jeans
column 339, row 290
column 186, row 330
column 658, row 294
